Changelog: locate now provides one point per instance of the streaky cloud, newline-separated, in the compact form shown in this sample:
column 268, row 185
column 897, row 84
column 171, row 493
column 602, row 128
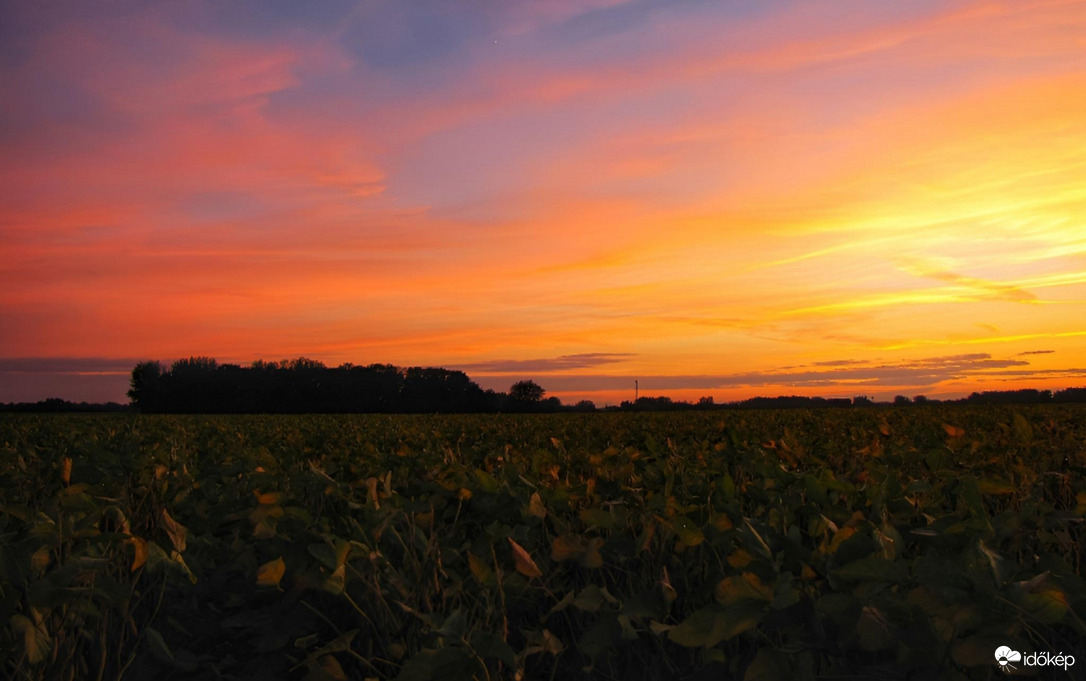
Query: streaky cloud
column 561, row 363
column 66, row 365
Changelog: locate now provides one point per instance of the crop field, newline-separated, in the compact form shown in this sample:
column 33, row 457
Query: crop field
column 881, row 543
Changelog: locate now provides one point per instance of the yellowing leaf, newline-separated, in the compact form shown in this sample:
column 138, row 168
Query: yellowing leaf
column 953, row 431
column 567, row 547
column 36, row 639
column 745, row 587
column 331, row 669
column 343, row 548
column 536, row 507
column 336, row 583
column 666, row 589
column 270, row 573
column 267, row 498
column 479, row 569
column 41, row 558
column 66, row 470
column 523, row 560
column 179, row 560
column 739, row 558
column 265, row 518
column 995, row 486
column 592, row 557
column 839, row 537
column 141, row 552
column 1047, row 606
column 175, row 530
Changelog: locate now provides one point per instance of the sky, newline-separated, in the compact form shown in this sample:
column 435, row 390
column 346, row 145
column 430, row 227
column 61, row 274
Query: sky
column 713, row 198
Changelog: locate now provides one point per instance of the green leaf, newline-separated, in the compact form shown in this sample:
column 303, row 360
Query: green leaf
column 325, row 554
column 703, row 628
column 490, row 645
column 455, row 625
column 754, row 539
column 726, row 486
column 486, row 481
column 768, row 665
column 713, row 624
column 589, row 599
column 158, row 646
column 873, row 569
column 1049, row 606
column 874, row 630
column 339, row 644
column 628, row 631
column 597, row 518
column 604, row 633
column 785, row 594
column 1023, row 431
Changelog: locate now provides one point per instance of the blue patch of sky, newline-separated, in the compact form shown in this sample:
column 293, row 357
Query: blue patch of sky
column 257, row 19
column 403, row 36
column 633, row 16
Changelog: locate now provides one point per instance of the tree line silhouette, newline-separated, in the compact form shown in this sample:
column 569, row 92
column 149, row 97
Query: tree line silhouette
column 1023, row 396
column 302, row 385
column 202, row 385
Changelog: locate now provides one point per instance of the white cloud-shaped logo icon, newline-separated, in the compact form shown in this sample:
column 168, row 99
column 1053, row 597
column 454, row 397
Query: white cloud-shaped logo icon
column 1004, row 656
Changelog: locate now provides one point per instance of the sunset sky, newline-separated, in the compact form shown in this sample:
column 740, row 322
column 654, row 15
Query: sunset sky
column 725, row 198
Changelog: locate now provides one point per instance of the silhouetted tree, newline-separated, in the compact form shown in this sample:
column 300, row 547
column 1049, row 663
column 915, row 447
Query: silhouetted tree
column 1070, row 395
column 526, row 391
column 147, row 386
column 200, row 384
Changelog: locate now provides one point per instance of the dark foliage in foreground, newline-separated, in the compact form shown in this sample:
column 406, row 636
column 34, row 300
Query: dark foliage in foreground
column 882, row 543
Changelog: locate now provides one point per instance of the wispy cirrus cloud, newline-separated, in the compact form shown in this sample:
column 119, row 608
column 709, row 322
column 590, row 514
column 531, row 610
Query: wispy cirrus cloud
column 562, row 363
column 79, row 379
column 66, row 365
column 842, row 375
